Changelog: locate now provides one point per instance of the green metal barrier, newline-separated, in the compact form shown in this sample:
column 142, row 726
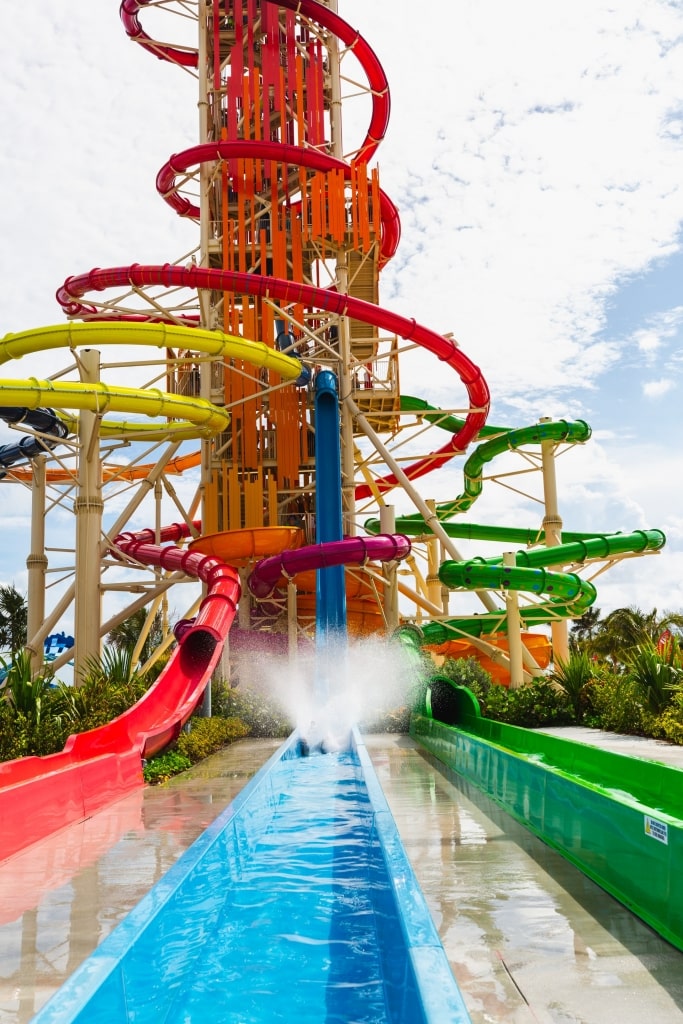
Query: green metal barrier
column 618, row 819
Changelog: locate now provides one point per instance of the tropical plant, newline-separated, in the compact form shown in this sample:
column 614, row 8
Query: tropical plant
column 25, row 693
column 13, row 620
column 657, row 673
column 625, row 629
column 126, row 635
column 583, row 629
column 160, row 768
column 533, row 706
column 616, row 703
column 468, row 672
column 108, row 688
column 262, row 714
column 206, row 735
column 573, row 676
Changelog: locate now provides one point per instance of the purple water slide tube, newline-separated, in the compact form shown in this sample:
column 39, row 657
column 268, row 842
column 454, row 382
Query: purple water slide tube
column 385, row 547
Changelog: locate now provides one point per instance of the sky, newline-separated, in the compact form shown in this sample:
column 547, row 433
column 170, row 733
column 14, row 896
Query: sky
column 535, row 153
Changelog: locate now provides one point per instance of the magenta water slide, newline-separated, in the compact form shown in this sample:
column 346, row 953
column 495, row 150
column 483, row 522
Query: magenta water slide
column 39, row 795
column 350, row 551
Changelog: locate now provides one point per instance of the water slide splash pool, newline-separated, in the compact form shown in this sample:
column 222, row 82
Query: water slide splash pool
column 297, row 904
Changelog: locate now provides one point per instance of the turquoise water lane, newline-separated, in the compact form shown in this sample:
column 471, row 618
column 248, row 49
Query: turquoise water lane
column 296, row 937
column 297, row 904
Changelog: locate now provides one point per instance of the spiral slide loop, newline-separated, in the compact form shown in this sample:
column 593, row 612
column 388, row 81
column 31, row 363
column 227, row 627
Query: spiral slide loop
column 309, row 158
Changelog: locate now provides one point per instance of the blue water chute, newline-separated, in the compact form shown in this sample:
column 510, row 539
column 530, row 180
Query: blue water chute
column 330, row 589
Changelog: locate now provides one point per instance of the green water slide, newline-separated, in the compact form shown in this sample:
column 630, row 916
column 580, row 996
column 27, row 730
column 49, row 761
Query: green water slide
column 566, row 594
column 502, row 440
column 563, row 594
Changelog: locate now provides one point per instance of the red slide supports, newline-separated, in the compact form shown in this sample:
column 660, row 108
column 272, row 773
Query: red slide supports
column 180, row 163
column 307, row 157
column 379, row 87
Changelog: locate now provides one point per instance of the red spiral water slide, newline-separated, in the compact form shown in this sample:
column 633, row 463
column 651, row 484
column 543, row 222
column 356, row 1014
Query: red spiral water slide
column 75, row 289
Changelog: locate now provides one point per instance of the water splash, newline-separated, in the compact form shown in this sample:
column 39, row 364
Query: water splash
column 359, row 682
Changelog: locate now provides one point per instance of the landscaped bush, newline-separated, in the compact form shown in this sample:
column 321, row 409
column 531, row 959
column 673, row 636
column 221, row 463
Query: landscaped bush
column 96, row 702
column 616, row 703
column 468, row 672
column 160, row 768
column 391, row 720
column 201, row 737
column 538, row 704
column 206, row 735
column 262, row 714
column 574, row 676
column 671, row 720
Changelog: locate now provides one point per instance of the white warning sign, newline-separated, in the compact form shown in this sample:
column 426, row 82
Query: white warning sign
column 656, row 829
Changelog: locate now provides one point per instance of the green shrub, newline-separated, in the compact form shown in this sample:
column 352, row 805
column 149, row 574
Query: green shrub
column 160, row 768
column 263, row 715
column 21, row 735
column 206, row 735
column 670, row 722
column 468, row 672
column 616, row 704
column 538, row 704
column 387, row 720
column 96, row 702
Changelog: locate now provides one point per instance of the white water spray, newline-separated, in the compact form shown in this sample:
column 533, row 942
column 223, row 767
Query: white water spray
column 365, row 681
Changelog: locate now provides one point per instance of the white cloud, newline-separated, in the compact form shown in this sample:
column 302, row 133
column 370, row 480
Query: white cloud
column 657, row 388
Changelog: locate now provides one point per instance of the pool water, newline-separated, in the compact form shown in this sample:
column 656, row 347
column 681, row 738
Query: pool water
column 296, row 939
column 296, row 904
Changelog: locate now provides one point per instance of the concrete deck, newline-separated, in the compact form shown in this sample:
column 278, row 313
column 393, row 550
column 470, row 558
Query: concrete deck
column 528, row 937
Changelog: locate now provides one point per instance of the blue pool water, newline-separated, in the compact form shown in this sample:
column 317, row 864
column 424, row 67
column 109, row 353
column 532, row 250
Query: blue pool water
column 297, row 904
column 295, row 939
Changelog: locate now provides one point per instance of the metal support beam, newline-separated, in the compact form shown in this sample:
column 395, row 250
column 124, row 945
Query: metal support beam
column 88, row 508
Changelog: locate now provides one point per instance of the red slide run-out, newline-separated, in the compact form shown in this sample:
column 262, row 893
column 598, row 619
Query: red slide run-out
column 39, row 795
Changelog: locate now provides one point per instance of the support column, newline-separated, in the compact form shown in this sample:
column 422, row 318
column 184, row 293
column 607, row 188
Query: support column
column 433, row 581
column 36, row 563
column 292, row 631
column 342, row 273
column 387, row 524
column 88, row 508
column 514, row 630
column 552, row 525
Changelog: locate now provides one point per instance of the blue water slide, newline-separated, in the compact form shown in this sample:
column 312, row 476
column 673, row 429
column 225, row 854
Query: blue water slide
column 45, row 421
column 330, row 589
column 297, row 904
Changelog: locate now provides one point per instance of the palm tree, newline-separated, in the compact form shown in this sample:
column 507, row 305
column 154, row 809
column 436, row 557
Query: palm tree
column 125, row 636
column 626, row 629
column 13, row 620
column 584, row 628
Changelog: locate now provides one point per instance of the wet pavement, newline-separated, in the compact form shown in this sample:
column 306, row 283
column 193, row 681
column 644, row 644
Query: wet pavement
column 529, row 938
